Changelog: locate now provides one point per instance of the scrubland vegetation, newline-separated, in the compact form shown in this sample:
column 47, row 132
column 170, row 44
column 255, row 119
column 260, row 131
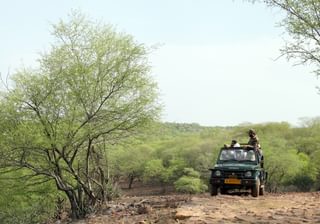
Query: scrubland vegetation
column 176, row 155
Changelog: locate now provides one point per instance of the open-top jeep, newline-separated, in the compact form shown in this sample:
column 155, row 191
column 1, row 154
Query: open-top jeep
column 238, row 169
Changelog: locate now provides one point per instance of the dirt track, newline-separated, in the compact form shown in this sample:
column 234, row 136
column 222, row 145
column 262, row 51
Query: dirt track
column 271, row 208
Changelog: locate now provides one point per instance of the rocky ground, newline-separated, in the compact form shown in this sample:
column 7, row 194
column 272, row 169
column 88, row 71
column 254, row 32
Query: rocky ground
column 271, row 208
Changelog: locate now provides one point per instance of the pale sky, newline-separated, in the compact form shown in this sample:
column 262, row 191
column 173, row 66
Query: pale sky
column 215, row 64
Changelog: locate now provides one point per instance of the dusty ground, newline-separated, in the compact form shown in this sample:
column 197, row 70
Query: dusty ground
column 271, row 208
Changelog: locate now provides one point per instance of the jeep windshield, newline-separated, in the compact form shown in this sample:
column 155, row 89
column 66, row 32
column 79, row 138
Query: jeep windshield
column 230, row 154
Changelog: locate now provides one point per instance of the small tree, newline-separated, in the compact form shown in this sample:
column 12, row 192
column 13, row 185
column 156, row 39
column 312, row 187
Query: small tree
column 155, row 171
column 92, row 89
column 129, row 162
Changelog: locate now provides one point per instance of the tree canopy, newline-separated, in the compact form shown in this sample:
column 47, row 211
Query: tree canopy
column 302, row 23
column 92, row 89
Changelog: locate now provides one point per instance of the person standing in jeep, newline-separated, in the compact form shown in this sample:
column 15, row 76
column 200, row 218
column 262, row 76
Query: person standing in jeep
column 253, row 139
column 254, row 143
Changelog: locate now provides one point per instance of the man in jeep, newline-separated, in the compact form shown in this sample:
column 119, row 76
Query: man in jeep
column 253, row 139
column 254, row 143
column 234, row 144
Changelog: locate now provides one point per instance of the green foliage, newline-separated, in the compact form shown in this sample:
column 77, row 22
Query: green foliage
column 176, row 168
column 23, row 202
column 91, row 90
column 303, row 182
column 285, row 158
column 301, row 22
column 182, row 156
column 189, row 172
column 282, row 166
column 113, row 191
column 128, row 161
column 154, row 170
column 190, row 182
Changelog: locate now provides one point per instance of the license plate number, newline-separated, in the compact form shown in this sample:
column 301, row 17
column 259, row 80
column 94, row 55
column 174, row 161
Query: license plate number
column 232, row 181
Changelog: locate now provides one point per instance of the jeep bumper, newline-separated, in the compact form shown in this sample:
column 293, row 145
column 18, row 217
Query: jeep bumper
column 238, row 183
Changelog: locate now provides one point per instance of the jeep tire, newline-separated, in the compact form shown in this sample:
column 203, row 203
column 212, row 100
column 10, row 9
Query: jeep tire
column 213, row 190
column 261, row 191
column 255, row 189
column 223, row 190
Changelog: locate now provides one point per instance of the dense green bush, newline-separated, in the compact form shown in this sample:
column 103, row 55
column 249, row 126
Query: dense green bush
column 190, row 182
column 303, row 182
column 22, row 203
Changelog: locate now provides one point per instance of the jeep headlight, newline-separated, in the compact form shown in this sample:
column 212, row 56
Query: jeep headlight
column 248, row 174
column 217, row 173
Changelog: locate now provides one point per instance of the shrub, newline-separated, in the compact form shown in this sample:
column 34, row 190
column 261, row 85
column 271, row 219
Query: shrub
column 303, row 182
column 190, row 182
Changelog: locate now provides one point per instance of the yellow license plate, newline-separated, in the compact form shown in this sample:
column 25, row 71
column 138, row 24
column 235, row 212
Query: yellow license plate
column 232, row 181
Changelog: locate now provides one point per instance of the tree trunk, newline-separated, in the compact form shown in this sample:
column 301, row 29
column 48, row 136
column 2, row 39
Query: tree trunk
column 77, row 208
column 131, row 179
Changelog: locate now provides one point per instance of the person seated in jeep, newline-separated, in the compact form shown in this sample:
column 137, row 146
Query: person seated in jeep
column 234, row 144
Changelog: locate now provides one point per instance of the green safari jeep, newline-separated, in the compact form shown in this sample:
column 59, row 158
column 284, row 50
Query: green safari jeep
column 238, row 169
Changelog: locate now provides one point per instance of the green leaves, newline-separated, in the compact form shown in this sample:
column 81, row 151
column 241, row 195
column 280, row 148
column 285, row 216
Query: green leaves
column 190, row 182
column 22, row 201
column 301, row 22
column 92, row 89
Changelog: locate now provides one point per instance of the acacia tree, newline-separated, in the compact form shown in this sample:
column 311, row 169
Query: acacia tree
column 302, row 23
column 92, row 89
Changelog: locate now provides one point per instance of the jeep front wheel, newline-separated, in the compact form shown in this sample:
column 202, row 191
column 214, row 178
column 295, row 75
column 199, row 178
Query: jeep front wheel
column 255, row 189
column 261, row 191
column 223, row 191
column 214, row 190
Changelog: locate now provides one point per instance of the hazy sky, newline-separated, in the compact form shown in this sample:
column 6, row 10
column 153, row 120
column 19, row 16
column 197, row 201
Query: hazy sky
column 215, row 64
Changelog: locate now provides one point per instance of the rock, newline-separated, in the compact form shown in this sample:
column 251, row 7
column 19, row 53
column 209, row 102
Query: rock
column 142, row 222
column 119, row 208
column 185, row 213
column 144, row 209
